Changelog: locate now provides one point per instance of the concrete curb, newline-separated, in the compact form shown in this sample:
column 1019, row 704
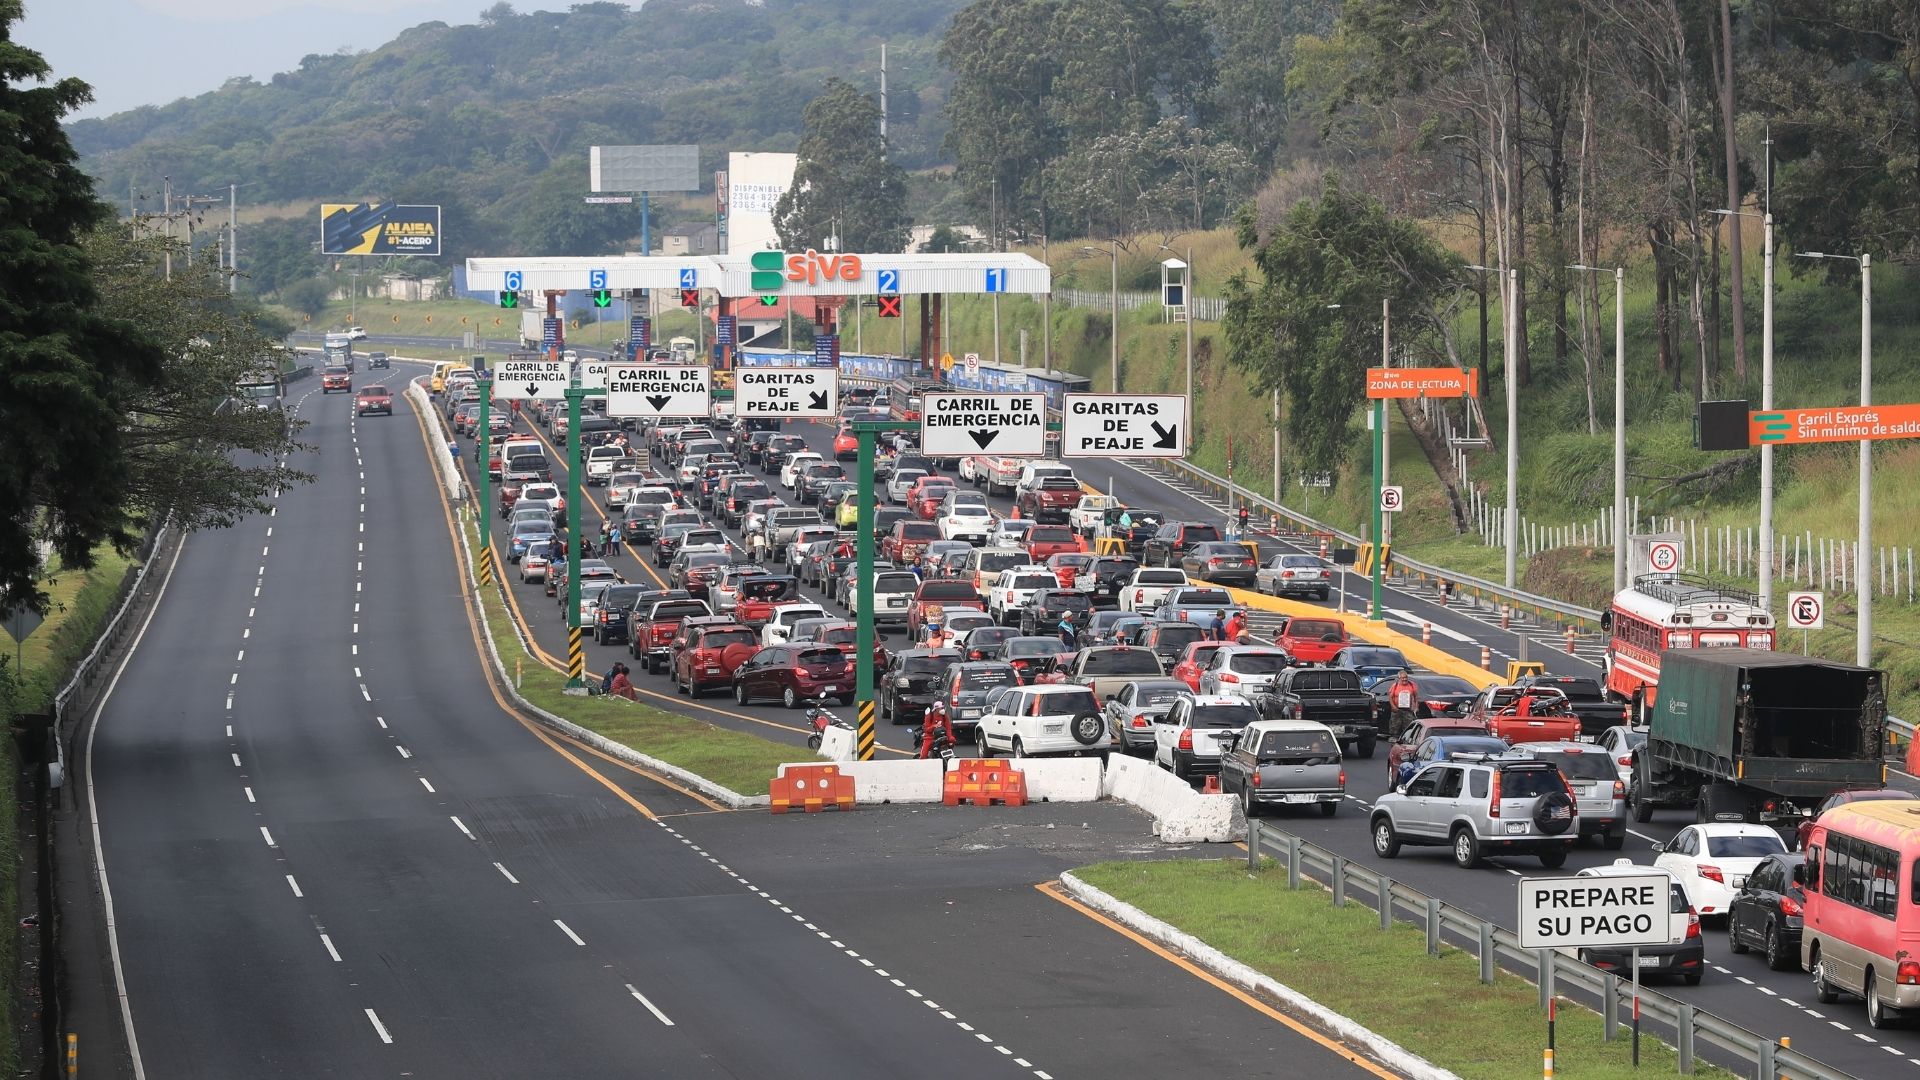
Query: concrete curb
column 1382, row 1049
column 724, row 795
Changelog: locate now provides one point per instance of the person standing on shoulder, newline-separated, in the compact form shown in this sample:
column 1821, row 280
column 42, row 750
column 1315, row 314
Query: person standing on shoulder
column 1400, row 699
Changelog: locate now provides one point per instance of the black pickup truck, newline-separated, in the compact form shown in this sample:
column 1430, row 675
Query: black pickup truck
column 1330, row 696
column 1589, row 701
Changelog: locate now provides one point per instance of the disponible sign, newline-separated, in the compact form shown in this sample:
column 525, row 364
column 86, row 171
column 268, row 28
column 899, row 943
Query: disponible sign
column 1422, row 382
column 1617, row 911
column 785, row 393
column 1010, row 425
column 653, row 391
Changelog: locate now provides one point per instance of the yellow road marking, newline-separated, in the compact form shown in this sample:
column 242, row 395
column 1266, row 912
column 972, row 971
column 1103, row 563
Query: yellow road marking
column 1053, row 890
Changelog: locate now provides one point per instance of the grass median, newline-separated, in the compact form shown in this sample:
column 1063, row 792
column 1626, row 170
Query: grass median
column 732, row 759
column 1433, row 1006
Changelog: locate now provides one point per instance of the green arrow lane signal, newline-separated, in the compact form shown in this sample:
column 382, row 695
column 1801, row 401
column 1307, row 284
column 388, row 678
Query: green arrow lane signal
column 602, row 298
column 768, row 270
column 770, row 301
column 509, row 299
column 1773, row 426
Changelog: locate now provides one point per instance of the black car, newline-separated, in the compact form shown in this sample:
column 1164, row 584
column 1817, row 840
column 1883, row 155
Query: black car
column 1767, row 912
column 1105, row 575
column 778, row 449
column 985, row 642
column 911, row 682
column 816, row 479
column 1686, row 960
column 378, row 360
column 733, row 508
column 610, row 625
column 1434, row 695
column 965, row 686
column 1045, row 609
column 886, row 517
column 1143, row 525
column 641, row 522
column 1174, row 539
column 755, row 446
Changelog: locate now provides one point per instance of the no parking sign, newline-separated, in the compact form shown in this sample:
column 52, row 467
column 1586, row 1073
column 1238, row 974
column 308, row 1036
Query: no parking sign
column 1806, row 611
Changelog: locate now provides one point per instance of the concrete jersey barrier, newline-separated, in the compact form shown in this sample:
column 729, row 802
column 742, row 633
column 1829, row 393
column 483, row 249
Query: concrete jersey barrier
column 1180, row 814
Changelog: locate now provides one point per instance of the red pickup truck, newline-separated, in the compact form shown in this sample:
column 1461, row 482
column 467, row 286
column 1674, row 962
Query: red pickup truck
column 936, row 597
column 907, row 540
column 1313, row 641
column 1046, row 541
column 1051, row 500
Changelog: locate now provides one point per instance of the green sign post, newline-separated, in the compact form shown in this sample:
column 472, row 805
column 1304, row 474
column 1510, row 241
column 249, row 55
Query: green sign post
column 486, row 481
column 867, row 432
column 576, row 651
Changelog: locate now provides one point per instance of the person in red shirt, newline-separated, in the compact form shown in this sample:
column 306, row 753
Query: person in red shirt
column 1237, row 626
column 1400, row 698
column 935, row 721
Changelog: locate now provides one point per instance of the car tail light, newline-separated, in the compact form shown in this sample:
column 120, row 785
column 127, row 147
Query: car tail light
column 1693, row 924
column 1711, row 873
column 1215, row 562
column 1790, row 906
column 1228, row 676
column 1256, row 778
column 1140, row 721
column 1908, row 973
column 1139, row 595
column 603, row 616
column 1493, row 803
column 1624, row 760
column 1186, row 740
column 1343, row 778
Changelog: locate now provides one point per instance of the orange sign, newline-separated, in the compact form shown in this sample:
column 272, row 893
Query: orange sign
column 1438, row 382
column 1839, row 423
column 813, row 266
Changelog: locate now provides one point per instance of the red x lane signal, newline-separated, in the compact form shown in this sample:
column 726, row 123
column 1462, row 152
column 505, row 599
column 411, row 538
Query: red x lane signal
column 689, row 297
column 890, row 306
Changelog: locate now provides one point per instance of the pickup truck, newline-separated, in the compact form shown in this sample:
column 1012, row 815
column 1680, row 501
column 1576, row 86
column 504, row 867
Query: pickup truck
column 651, row 628
column 1589, row 700
column 1314, row 641
column 1149, row 586
column 1051, row 499
column 782, row 523
column 1330, row 696
column 935, row 598
column 1284, row 763
column 1107, row 668
column 601, row 461
column 1551, row 719
column 1089, row 515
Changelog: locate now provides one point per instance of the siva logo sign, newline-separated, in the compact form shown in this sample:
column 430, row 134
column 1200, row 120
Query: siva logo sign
column 773, row 269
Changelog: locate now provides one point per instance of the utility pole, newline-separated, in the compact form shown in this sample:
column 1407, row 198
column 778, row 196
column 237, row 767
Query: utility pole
column 883, row 101
column 233, row 242
column 166, row 215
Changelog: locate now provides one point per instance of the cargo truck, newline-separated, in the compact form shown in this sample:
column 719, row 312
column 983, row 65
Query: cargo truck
column 1758, row 736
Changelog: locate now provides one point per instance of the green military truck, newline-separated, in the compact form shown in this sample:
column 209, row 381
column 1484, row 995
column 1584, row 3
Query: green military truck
column 1758, row 736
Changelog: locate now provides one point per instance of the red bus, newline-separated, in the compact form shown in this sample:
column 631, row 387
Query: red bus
column 1668, row 611
column 1861, row 931
column 904, row 398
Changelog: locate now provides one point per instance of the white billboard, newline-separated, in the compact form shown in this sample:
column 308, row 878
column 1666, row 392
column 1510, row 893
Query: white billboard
column 755, row 183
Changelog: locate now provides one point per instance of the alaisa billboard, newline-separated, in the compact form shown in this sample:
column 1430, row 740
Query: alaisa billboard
column 379, row 229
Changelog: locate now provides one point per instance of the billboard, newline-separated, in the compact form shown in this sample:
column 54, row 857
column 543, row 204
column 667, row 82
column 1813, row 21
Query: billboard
column 755, row 183
column 673, row 167
column 379, row 229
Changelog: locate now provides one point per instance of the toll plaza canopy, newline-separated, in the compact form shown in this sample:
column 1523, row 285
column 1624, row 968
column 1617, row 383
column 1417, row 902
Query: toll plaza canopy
column 808, row 273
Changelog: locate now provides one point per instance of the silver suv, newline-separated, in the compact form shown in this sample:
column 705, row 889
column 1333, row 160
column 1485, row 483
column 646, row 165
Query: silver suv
column 1602, row 795
column 1502, row 806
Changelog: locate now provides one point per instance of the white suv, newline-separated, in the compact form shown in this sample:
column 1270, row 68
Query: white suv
column 1054, row 719
column 1188, row 738
column 1014, row 588
column 1245, row 671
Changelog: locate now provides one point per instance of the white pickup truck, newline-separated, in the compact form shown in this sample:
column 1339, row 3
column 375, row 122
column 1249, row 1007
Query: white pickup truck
column 601, row 461
column 992, row 473
column 1014, row 588
column 1089, row 514
column 1150, row 587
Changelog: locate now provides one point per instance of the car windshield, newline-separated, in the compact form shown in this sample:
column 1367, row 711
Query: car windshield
column 1757, row 846
column 1121, row 662
column 967, row 501
column 895, row 583
column 1032, row 646
column 1260, row 663
column 822, row 655
column 986, row 677
column 1223, row 716
column 1069, row 703
column 1032, row 581
column 919, row 530
column 620, row 596
column 948, row 590
column 1441, row 684
column 675, row 610
column 1575, row 687
column 1581, row 766
column 1299, row 744
column 704, row 558
column 1050, row 534
column 1298, row 562
column 533, row 528
column 1157, row 696
column 1178, row 634
column 1160, row 577
column 1315, row 629
column 994, row 561
column 1062, row 600
column 1529, row 783
column 929, row 664
column 720, row 639
column 1377, row 658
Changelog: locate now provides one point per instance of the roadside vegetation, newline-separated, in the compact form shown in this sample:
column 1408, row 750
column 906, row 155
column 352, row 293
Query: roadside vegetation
column 1437, row 1007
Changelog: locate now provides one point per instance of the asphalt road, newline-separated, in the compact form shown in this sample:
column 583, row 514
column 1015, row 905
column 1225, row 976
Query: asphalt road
column 1738, row 988
column 333, row 852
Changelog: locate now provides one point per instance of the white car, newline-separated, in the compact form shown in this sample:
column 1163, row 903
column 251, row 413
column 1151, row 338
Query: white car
column 1620, row 741
column 779, row 629
column 1149, row 588
column 1242, row 670
column 892, row 595
column 965, row 516
column 1010, row 534
column 1187, row 739
column 790, row 471
column 600, row 463
column 621, row 485
column 1713, row 860
column 1014, row 588
column 901, row 482
column 547, row 493
column 689, row 468
column 355, row 333
column 1055, row 719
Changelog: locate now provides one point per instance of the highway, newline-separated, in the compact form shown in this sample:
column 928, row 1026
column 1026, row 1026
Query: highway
column 1739, row 988
column 331, row 848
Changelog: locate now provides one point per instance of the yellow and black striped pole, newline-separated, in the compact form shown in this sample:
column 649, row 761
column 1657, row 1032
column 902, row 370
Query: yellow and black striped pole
column 867, row 734
column 483, row 565
column 576, row 656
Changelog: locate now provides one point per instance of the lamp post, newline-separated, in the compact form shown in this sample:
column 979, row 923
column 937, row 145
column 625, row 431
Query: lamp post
column 1766, row 403
column 1863, row 641
column 1619, row 416
column 1377, row 421
column 1113, row 256
column 1510, row 284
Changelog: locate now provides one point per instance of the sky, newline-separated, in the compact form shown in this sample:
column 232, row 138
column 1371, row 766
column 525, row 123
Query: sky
column 151, row 52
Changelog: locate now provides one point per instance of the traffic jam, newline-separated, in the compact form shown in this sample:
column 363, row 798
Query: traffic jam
column 1023, row 612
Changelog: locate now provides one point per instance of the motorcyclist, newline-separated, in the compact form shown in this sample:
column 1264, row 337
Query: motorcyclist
column 932, row 725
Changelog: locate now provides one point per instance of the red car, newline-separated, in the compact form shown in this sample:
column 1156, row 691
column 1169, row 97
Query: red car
column 710, row 656
column 845, row 636
column 761, row 594
column 336, row 378
column 1313, row 641
column 926, row 504
column 1193, row 661
column 1046, row 541
column 1067, row 566
column 907, row 540
column 795, row 673
column 373, row 399
column 846, row 445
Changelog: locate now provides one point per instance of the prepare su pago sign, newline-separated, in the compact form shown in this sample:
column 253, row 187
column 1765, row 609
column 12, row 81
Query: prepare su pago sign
column 1618, row 910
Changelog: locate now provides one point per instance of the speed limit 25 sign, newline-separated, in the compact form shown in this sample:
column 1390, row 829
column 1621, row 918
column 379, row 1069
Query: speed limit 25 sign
column 1663, row 556
column 1806, row 611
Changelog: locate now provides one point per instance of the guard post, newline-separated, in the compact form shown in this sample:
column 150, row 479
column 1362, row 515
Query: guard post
column 485, row 570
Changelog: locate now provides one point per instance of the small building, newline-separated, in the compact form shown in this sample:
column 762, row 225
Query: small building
column 411, row 289
column 700, row 238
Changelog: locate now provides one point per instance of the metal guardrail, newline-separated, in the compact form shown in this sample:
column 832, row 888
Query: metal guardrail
column 111, row 633
column 1549, row 969
column 1519, row 599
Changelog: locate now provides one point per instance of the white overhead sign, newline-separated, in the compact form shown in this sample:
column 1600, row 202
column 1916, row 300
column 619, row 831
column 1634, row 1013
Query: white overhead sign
column 1617, row 910
column 1392, row 498
column 652, row 391
column 593, row 375
column 784, row 393
column 1122, row 425
column 1806, row 611
column 530, row 379
column 1006, row 425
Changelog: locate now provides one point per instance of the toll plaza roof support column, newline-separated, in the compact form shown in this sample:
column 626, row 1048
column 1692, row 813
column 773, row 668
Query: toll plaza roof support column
column 927, row 323
column 723, row 310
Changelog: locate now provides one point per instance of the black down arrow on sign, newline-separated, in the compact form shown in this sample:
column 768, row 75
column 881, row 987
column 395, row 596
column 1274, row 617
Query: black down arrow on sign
column 1168, row 436
column 533, row 389
column 658, row 401
column 817, row 400
column 983, row 439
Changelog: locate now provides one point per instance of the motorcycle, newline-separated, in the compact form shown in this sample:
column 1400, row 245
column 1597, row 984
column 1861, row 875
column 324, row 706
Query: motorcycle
column 819, row 720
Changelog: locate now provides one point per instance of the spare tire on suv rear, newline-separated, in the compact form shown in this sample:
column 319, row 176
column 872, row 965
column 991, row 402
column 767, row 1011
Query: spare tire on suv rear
column 1553, row 813
column 1088, row 728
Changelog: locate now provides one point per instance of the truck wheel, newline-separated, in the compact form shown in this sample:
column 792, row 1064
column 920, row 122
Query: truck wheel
column 1328, row 809
column 1247, row 804
column 1365, row 747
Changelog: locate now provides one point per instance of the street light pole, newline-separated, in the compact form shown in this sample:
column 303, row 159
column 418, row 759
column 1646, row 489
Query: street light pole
column 1114, row 377
column 1766, row 404
column 1619, row 417
column 1862, row 580
column 1510, row 523
column 1384, row 533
